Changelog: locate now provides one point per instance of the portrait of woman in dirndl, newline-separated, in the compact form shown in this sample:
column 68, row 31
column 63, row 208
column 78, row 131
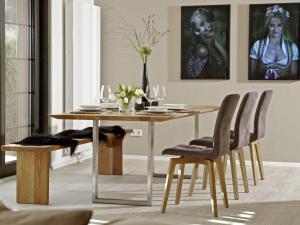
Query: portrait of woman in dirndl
column 274, row 42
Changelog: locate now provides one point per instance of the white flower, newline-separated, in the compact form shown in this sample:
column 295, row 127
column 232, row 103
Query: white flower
column 139, row 101
column 137, row 93
column 120, row 102
column 122, row 94
column 129, row 88
column 125, row 100
column 123, row 86
column 112, row 97
column 141, row 92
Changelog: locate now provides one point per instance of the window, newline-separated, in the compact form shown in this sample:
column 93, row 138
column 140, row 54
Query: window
column 17, row 74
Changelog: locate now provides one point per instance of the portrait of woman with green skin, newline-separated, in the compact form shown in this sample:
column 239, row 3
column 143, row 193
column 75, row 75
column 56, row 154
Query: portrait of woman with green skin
column 204, row 51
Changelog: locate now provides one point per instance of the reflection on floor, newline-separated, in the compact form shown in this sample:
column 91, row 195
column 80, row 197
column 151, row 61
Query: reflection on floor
column 275, row 201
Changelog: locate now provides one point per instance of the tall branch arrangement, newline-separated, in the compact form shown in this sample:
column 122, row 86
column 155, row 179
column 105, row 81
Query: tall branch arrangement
column 143, row 42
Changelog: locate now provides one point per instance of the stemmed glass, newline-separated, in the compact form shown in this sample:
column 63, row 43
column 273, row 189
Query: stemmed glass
column 150, row 94
column 160, row 92
column 105, row 93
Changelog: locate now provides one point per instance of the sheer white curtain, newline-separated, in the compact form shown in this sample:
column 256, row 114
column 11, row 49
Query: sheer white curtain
column 86, row 54
column 75, row 61
column 75, row 57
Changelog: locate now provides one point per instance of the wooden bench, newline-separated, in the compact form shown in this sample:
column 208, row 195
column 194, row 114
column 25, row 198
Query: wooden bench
column 33, row 164
column 110, row 160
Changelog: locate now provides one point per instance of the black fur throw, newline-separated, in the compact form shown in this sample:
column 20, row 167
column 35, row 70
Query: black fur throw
column 43, row 139
column 116, row 130
column 80, row 134
column 88, row 132
column 65, row 138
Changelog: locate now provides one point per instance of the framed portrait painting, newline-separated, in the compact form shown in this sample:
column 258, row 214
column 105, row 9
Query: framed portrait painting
column 205, row 37
column 274, row 41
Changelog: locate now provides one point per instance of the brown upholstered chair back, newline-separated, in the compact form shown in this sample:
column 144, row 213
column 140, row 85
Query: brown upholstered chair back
column 222, row 127
column 241, row 136
column 261, row 114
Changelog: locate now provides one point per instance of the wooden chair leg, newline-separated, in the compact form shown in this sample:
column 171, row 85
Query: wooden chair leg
column 205, row 174
column 225, row 159
column 222, row 181
column 216, row 171
column 234, row 175
column 212, row 182
column 243, row 170
column 168, row 183
column 259, row 160
column 252, row 149
column 193, row 178
column 204, row 180
column 179, row 183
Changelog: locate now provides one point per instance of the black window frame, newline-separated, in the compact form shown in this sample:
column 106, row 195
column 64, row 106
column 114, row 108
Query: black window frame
column 39, row 47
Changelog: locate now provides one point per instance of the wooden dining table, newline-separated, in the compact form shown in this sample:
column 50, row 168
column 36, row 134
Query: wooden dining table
column 143, row 116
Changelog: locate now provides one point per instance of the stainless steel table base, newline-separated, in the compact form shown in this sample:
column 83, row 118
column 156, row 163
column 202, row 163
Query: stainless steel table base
column 164, row 175
column 95, row 158
column 122, row 201
column 150, row 168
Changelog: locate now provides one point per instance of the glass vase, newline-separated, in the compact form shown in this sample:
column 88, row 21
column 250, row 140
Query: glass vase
column 127, row 107
column 145, row 80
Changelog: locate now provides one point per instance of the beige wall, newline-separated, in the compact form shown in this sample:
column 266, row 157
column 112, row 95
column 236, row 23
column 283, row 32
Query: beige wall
column 120, row 64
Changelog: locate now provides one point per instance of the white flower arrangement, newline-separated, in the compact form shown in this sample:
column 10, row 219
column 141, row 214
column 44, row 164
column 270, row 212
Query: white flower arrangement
column 126, row 94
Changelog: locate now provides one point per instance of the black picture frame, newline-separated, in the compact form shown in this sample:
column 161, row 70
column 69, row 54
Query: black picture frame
column 264, row 61
column 205, row 42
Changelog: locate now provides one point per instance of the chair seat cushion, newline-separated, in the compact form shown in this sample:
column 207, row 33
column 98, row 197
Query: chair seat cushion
column 204, row 141
column 201, row 152
column 208, row 142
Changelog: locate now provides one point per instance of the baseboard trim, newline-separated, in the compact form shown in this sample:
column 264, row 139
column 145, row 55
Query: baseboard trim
column 88, row 155
column 166, row 158
column 144, row 157
column 72, row 160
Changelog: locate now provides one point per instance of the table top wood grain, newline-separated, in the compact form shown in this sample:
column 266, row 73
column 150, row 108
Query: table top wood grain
column 189, row 110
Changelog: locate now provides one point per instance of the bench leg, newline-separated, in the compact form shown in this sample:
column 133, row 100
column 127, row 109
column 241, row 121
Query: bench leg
column 105, row 159
column 33, row 177
column 111, row 157
column 118, row 157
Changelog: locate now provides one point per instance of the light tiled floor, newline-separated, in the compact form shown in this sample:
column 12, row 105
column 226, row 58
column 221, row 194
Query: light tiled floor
column 275, row 201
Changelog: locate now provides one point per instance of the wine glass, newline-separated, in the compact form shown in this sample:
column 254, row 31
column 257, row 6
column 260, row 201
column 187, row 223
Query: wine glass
column 160, row 92
column 150, row 94
column 105, row 93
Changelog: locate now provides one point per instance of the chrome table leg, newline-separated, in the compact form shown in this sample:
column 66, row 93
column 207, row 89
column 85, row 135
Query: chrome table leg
column 196, row 125
column 95, row 158
column 150, row 161
column 96, row 198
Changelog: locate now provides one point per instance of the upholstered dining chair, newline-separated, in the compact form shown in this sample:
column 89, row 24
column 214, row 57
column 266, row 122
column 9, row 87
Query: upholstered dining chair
column 204, row 155
column 240, row 137
column 259, row 132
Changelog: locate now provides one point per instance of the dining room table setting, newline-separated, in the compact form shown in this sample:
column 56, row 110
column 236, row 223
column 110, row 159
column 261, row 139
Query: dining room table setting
column 123, row 105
